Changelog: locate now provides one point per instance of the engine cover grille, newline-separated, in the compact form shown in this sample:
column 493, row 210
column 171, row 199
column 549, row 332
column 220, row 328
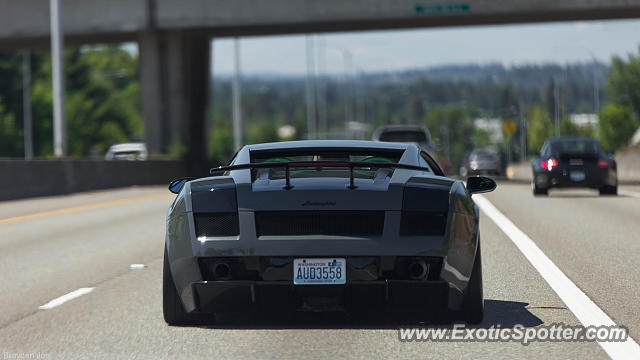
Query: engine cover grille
column 217, row 224
column 337, row 223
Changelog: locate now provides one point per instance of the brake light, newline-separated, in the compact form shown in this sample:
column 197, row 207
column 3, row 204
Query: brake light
column 549, row 164
column 603, row 164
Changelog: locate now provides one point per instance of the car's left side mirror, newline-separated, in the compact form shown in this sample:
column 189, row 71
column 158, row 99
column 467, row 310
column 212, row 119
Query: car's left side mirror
column 176, row 185
column 480, row 184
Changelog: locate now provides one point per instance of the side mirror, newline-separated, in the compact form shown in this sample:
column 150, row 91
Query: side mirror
column 176, row 185
column 480, row 184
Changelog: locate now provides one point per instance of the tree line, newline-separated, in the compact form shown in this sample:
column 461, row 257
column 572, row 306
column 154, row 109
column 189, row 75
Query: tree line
column 103, row 103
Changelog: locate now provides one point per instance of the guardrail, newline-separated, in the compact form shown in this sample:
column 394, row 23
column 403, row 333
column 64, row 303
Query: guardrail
column 21, row 179
column 628, row 169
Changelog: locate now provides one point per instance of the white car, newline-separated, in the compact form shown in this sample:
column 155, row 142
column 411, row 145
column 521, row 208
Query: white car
column 127, row 151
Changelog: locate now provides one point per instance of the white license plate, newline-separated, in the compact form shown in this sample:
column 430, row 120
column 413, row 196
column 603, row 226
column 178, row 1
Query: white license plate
column 319, row 271
column 577, row 175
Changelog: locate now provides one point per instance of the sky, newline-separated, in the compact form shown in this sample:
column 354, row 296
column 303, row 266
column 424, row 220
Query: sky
column 382, row 51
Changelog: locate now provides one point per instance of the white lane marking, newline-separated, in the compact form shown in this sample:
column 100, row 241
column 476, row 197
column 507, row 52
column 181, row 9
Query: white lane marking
column 587, row 312
column 629, row 193
column 137, row 266
column 64, row 298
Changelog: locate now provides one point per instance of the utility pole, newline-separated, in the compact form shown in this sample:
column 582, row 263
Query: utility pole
column 57, row 65
column 556, row 102
column 523, row 131
column 322, row 87
column 596, row 103
column 26, row 105
column 238, row 126
column 311, row 103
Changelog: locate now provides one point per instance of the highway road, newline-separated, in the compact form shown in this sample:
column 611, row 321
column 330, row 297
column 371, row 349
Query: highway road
column 50, row 247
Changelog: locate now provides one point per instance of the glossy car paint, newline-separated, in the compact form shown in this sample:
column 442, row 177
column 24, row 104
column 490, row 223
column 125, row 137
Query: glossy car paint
column 457, row 247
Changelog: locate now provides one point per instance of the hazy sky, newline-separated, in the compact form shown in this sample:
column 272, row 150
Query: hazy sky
column 407, row 49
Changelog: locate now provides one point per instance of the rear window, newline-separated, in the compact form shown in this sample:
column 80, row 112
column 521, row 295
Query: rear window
column 367, row 155
column 403, row 136
column 575, row 147
column 483, row 154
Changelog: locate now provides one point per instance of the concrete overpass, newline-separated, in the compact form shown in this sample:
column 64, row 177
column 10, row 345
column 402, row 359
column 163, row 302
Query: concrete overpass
column 174, row 37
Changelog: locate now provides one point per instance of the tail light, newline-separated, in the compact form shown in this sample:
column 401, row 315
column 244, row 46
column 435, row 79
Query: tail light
column 549, row 164
column 603, row 164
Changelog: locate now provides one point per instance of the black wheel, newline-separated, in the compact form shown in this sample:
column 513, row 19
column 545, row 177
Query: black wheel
column 174, row 312
column 473, row 302
column 539, row 191
column 609, row 190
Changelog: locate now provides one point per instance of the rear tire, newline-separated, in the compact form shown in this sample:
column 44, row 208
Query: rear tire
column 172, row 308
column 473, row 301
column 539, row 191
column 609, row 190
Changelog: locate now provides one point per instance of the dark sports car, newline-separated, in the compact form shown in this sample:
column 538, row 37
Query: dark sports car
column 311, row 226
column 574, row 161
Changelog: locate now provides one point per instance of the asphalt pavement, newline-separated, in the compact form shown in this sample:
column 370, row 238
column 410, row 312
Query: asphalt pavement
column 51, row 247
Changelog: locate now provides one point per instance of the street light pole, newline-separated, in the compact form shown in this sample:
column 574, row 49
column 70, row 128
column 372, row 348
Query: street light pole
column 311, row 97
column 57, row 69
column 238, row 126
column 26, row 105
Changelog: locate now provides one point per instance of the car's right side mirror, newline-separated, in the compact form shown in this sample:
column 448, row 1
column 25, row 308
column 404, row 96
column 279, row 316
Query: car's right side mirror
column 480, row 184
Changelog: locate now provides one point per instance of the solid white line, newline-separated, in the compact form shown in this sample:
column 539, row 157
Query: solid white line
column 587, row 312
column 629, row 193
column 64, row 298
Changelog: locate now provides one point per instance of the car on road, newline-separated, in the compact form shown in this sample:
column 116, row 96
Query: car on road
column 574, row 161
column 412, row 134
column 127, row 151
column 362, row 227
column 481, row 161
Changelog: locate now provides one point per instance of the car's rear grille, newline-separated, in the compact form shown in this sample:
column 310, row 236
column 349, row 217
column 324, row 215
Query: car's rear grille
column 423, row 223
column 337, row 223
column 217, row 224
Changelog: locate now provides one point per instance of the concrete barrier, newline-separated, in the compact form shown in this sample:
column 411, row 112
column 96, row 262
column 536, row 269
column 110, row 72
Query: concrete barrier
column 628, row 169
column 21, row 179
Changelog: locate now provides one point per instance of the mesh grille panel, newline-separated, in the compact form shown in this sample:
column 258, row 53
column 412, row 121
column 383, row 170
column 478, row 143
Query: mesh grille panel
column 423, row 223
column 219, row 224
column 338, row 223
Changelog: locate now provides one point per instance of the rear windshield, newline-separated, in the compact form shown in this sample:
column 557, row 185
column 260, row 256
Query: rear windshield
column 483, row 154
column 404, row 136
column 384, row 156
column 575, row 147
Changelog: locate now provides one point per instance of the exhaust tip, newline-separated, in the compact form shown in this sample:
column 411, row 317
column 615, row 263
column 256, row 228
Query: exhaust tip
column 418, row 270
column 222, row 271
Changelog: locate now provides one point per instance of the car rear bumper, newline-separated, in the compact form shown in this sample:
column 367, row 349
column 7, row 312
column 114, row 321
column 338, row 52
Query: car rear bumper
column 354, row 297
column 562, row 178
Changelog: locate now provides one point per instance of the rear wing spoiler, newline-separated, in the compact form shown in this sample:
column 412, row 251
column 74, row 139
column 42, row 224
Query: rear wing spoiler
column 287, row 165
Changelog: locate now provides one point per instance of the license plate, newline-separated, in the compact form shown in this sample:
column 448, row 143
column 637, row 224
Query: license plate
column 319, row 271
column 577, row 175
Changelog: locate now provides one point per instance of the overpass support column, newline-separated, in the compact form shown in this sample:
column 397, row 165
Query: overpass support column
column 174, row 77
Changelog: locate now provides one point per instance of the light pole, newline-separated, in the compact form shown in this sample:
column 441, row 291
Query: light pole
column 311, row 103
column 26, row 105
column 57, row 70
column 238, row 126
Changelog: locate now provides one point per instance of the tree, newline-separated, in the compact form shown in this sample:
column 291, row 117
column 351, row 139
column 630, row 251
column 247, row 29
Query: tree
column 624, row 82
column 539, row 129
column 452, row 124
column 617, row 125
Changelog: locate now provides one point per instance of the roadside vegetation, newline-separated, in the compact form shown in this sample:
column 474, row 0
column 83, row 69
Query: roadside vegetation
column 103, row 104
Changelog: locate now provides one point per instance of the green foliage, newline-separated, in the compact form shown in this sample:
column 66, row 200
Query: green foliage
column 453, row 127
column 221, row 139
column 617, row 125
column 102, row 100
column 10, row 136
column 540, row 128
column 624, row 82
